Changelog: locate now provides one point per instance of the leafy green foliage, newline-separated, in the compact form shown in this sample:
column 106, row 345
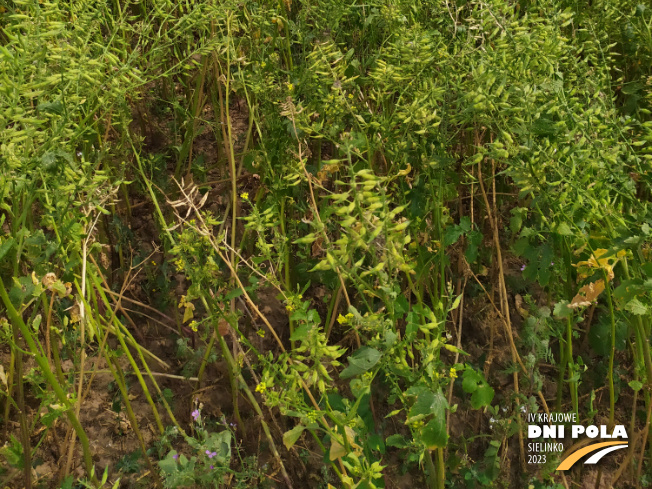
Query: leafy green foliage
column 389, row 164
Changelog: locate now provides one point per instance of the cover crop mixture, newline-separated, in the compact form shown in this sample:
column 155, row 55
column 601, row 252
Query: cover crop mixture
column 331, row 244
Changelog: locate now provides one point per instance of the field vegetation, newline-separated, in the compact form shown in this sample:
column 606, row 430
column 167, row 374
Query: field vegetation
column 330, row 244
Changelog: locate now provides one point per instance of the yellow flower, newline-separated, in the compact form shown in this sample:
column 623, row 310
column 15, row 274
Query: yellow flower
column 193, row 325
column 244, row 195
column 351, row 96
column 453, row 373
column 261, row 333
column 263, row 64
column 341, row 319
column 261, row 388
column 289, row 308
column 290, row 87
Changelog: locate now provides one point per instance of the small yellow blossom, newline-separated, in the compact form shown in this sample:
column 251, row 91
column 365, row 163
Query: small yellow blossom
column 453, row 373
column 261, row 333
column 193, row 325
column 289, row 308
column 345, row 319
column 351, row 96
column 290, row 87
column 244, row 195
column 261, row 388
column 263, row 64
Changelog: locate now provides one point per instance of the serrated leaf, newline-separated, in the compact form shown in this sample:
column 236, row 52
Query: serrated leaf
column 636, row 307
column 561, row 310
column 300, row 333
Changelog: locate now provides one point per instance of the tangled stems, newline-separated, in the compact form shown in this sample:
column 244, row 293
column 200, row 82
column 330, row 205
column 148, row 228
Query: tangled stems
column 42, row 362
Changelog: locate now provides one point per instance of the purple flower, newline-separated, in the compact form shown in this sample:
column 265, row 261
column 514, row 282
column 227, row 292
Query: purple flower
column 210, row 454
column 175, row 456
column 522, row 267
column 552, row 263
column 195, row 414
column 212, row 467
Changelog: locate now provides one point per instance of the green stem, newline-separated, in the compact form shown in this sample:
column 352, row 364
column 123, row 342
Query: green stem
column 432, row 472
column 571, row 365
column 612, row 353
column 118, row 375
column 148, row 184
column 42, row 362
column 204, row 360
column 24, row 429
column 441, row 480
column 252, row 399
column 232, row 366
column 122, row 330
column 286, row 262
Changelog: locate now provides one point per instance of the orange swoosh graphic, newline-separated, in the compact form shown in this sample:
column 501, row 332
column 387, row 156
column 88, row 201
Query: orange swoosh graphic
column 568, row 462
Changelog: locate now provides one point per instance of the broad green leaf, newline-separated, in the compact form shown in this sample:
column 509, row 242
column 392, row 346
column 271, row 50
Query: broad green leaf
column 361, row 361
column 300, row 333
column 636, row 385
column 482, row 396
column 428, row 403
column 291, row 437
column 636, row 307
column 336, row 451
column 434, row 433
column 564, row 229
column 169, row 465
column 475, row 384
column 397, row 441
column 600, row 336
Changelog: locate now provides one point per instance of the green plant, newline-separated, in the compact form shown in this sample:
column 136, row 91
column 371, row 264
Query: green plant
column 368, row 216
